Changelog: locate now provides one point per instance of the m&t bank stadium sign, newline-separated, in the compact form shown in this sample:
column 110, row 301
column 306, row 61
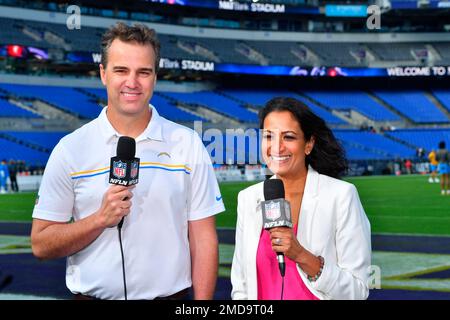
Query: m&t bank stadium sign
column 185, row 64
column 253, row 7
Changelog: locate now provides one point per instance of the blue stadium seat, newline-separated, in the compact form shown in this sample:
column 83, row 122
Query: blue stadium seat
column 46, row 140
column 171, row 112
column 424, row 138
column 65, row 98
column 443, row 96
column 9, row 110
column 12, row 150
column 356, row 100
column 164, row 107
column 375, row 143
column 260, row 98
column 215, row 102
column 414, row 105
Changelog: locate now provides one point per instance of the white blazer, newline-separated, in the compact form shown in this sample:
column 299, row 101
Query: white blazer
column 332, row 224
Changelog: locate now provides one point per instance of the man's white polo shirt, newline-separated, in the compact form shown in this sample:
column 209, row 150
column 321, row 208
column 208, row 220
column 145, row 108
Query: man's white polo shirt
column 176, row 184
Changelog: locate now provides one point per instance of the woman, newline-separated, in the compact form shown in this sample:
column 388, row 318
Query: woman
column 328, row 251
column 443, row 157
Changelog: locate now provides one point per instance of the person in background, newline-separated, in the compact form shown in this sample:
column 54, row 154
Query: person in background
column 328, row 250
column 12, row 167
column 433, row 167
column 4, row 174
column 443, row 157
column 408, row 166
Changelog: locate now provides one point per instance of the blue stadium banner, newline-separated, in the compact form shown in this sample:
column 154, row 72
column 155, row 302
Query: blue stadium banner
column 295, row 71
column 332, row 10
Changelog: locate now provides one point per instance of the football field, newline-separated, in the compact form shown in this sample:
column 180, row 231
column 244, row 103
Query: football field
column 410, row 222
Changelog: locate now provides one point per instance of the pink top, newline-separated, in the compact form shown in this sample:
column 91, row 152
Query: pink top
column 269, row 278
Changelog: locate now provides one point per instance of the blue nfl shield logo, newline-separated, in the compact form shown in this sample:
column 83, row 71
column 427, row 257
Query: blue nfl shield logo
column 119, row 169
column 273, row 211
column 134, row 169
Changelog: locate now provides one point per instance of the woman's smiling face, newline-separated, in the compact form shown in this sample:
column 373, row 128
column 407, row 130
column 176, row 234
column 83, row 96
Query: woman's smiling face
column 283, row 145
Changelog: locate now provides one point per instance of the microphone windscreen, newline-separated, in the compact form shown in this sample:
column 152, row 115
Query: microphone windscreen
column 126, row 148
column 273, row 189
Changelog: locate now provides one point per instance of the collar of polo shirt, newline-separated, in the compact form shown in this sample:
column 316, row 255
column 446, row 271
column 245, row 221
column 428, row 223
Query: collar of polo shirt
column 153, row 131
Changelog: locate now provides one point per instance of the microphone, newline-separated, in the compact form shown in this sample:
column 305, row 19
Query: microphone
column 276, row 212
column 124, row 169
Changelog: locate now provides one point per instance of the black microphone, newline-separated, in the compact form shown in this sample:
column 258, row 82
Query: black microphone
column 124, row 168
column 276, row 212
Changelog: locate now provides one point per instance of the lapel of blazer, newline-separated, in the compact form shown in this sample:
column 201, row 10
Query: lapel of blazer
column 253, row 235
column 308, row 208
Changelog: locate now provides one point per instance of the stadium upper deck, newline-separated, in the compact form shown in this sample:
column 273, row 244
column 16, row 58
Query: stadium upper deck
column 65, row 51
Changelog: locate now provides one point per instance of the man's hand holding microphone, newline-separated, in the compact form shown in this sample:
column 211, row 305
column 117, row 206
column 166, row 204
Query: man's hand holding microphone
column 123, row 175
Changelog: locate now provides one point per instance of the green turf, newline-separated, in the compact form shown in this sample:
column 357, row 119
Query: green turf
column 405, row 204
column 17, row 206
column 229, row 191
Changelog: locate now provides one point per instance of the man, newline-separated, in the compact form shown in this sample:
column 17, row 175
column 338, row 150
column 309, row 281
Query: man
column 4, row 174
column 12, row 167
column 169, row 236
column 443, row 157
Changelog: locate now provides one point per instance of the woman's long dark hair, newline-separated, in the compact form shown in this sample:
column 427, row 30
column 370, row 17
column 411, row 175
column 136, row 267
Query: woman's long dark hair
column 327, row 157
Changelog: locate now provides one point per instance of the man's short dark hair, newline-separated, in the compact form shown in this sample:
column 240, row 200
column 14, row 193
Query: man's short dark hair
column 137, row 33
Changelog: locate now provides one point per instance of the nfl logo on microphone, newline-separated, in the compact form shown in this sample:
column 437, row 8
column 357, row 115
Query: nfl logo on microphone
column 119, row 169
column 273, row 210
column 134, row 169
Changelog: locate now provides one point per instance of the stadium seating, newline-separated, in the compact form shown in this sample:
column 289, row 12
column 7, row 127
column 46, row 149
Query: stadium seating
column 99, row 93
column 57, row 36
column 216, row 102
column 424, row 138
column 47, row 140
column 356, row 100
column 358, row 152
column 336, row 54
column 414, row 105
column 169, row 111
column 11, row 150
column 164, row 107
column 444, row 51
column 260, row 98
column 382, row 147
column 394, row 51
column 68, row 99
column 443, row 96
column 9, row 110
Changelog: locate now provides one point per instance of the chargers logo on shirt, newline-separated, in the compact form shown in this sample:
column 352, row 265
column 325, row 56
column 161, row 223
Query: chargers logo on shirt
column 119, row 169
column 134, row 169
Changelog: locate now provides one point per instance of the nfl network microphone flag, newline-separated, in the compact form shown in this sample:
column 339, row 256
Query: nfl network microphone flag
column 124, row 172
column 276, row 213
column 125, row 167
